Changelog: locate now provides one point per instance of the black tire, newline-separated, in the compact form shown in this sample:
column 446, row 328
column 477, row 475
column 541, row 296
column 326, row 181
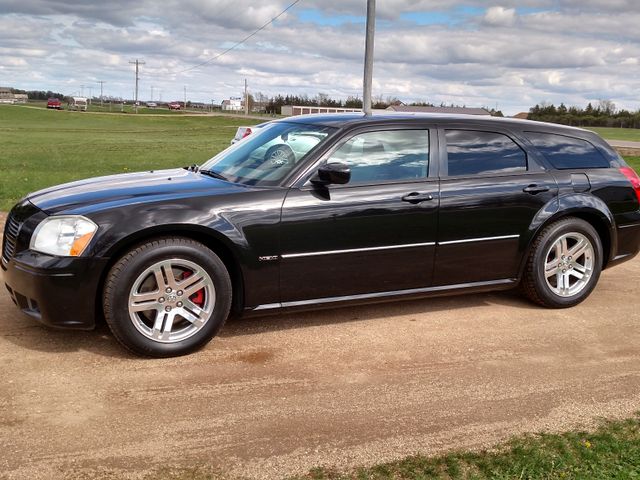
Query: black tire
column 280, row 155
column 534, row 283
column 124, row 274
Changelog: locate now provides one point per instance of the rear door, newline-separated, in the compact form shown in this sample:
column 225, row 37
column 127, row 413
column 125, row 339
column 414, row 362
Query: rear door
column 376, row 233
column 490, row 191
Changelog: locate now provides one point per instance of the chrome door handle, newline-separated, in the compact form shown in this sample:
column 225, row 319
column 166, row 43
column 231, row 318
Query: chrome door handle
column 415, row 197
column 533, row 189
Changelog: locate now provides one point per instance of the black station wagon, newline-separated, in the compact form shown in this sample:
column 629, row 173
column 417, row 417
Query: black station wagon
column 320, row 210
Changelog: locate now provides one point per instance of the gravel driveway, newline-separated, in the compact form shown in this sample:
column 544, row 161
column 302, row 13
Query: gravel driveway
column 345, row 387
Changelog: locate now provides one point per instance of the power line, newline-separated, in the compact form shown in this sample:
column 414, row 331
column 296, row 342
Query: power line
column 240, row 42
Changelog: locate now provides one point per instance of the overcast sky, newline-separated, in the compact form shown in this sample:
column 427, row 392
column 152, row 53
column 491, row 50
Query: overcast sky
column 512, row 54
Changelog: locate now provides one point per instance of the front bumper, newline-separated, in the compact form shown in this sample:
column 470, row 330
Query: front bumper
column 57, row 291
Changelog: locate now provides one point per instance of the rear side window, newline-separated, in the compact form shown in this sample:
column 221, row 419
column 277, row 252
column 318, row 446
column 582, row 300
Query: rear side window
column 472, row 152
column 567, row 152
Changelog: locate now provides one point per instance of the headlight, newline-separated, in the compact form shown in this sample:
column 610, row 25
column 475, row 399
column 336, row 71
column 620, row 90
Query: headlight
column 65, row 236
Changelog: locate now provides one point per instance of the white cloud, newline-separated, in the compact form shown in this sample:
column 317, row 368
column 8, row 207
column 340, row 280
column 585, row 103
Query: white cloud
column 500, row 16
column 568, row 50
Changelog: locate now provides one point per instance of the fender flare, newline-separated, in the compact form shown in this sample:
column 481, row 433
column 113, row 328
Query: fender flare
column 587, row 207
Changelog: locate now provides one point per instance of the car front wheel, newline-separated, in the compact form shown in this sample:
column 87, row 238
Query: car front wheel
column 167, row 297
column 564, row 264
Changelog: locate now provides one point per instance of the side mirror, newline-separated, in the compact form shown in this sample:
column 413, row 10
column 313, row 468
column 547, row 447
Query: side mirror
column 332, row 173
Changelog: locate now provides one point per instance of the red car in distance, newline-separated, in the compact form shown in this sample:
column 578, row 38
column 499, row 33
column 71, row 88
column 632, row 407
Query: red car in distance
column 54, row 103
column 174, row 106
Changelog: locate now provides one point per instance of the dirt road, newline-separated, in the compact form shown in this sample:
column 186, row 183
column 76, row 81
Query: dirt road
column 345, row 387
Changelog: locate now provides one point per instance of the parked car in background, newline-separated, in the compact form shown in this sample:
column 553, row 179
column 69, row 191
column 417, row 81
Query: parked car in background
column 244, row 132
column 78, row 103
column 174, row 106
column 152, row 104
column 54, row 103
column 357, row 208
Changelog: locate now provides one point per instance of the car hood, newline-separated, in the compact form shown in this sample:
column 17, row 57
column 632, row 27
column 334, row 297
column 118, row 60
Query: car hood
column 112, row 191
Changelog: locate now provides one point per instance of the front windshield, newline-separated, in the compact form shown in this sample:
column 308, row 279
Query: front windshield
column 267, row 156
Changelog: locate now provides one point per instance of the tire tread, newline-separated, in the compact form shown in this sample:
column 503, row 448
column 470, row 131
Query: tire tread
column 113, row 278
column 528, row 285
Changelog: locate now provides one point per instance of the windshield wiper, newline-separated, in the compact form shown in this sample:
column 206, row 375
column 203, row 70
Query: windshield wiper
column 214, row 174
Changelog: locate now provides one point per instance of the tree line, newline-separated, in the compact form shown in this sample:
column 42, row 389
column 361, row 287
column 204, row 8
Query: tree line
column 604, row 114
column 273, row 105
column 40, row 94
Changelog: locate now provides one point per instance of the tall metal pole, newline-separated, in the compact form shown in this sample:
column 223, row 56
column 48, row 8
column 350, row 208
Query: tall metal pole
column 185, row 97
column 137, row 64
column 368, row 57
column 101, row 82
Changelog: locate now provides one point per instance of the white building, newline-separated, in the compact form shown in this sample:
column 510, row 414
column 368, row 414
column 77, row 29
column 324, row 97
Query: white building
column 291, row 110
column 233, row 104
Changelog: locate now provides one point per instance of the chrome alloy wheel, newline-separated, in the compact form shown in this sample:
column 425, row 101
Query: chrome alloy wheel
column 569, row 264
column 171, row 300
column 279, row 157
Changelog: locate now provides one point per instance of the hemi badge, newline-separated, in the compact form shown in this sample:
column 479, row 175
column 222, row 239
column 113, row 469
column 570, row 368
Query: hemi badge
column 268, row 258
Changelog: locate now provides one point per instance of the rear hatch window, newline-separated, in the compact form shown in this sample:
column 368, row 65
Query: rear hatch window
column 564, row 152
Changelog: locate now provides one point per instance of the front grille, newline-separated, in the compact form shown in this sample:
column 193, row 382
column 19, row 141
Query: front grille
column 11, row 230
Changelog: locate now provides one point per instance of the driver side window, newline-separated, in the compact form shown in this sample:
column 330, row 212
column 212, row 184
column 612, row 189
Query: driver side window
column 387, row 155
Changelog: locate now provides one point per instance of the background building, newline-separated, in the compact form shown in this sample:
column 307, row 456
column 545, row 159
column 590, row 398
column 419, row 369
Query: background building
column 291, row 110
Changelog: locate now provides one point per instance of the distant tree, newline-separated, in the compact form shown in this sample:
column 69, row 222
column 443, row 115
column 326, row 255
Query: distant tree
column 607, row 107
column 353, row 102
column 604, row 114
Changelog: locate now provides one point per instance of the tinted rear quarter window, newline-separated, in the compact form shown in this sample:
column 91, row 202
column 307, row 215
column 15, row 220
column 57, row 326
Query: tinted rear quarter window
column 472, row 152
column 564, row 152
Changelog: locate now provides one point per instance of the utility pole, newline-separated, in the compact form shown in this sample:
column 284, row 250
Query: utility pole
column 185, row 97
column 90, row 88
column 101, row 82
column 368, row 57
column 137, row 63
column 151, row 93
column 82, row 90
column 246, row 98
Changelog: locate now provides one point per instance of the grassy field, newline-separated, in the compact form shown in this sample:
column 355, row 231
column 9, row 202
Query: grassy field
column 628, row 134
column 46, row 147
column 610, row 452
column 634, row 162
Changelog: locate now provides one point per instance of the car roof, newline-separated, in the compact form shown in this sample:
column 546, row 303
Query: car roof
column 341, row 120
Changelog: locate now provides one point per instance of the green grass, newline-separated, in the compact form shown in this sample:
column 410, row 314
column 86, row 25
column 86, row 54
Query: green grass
column 633, row 162
column 42, row 147
column 610, row 452
column 628, row 134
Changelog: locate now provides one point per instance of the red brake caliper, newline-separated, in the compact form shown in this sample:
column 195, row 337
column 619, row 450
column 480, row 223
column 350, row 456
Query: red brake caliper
column 198, row 297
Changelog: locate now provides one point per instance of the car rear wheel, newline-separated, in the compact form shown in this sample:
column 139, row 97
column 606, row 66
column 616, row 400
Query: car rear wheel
column 279, row 155
column 564, row 264
column 167, row 297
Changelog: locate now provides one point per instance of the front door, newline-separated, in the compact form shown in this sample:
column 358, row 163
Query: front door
column 376, row 233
